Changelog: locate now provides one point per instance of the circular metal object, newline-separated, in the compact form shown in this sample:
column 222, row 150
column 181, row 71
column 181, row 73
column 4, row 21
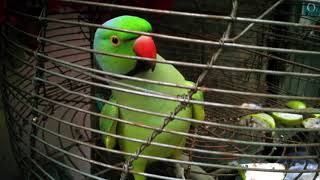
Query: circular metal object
column 245, row 60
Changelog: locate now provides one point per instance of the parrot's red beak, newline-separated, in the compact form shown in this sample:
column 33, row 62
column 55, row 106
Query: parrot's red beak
column 144, row 47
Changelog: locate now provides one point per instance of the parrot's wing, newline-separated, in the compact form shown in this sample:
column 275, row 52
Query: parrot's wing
column 197, row 110
column 108, row 125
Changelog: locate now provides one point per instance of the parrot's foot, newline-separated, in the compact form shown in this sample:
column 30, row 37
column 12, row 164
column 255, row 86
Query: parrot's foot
column 179, row 171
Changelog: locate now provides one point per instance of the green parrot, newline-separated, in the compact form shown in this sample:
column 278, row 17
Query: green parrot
column 143, row 46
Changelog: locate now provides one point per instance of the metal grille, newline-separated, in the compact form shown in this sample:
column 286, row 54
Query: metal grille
column 237, row 52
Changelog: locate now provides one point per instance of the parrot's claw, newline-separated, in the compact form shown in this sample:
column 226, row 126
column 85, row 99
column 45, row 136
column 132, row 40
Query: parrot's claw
column 179, row 171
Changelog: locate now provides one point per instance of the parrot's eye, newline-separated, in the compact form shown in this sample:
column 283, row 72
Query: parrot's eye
column 115, row 40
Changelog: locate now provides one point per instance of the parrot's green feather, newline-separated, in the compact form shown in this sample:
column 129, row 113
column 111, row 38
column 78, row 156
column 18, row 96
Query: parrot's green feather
column 162, row 72
column 197, row 110
column 99, row 104
column 108, row 125
column 139, row 165
column 128, row 23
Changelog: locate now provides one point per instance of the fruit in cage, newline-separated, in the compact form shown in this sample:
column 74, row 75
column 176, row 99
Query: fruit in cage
column 259, row 120
column 262, row 175
column 262, row 120
column 129, row 44
column 316, row 115
column 311, row 123
column 289, row 119
column 296, row 105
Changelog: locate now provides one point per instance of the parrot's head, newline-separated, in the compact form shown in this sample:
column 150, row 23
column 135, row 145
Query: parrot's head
column 124, row 43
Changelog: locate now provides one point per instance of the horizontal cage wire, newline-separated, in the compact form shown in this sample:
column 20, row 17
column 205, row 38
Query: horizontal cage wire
column 247, row 57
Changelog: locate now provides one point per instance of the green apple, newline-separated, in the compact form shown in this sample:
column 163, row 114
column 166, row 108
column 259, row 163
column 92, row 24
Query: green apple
column 296, row 105
column 311, row 123
column 287, row 118
column 262, row 120
column 316, row 115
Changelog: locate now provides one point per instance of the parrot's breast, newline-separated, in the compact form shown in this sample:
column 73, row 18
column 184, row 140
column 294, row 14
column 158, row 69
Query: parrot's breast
column 163, row 73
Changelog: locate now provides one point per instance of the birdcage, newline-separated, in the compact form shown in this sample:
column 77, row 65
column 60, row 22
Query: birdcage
column 247, row 57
